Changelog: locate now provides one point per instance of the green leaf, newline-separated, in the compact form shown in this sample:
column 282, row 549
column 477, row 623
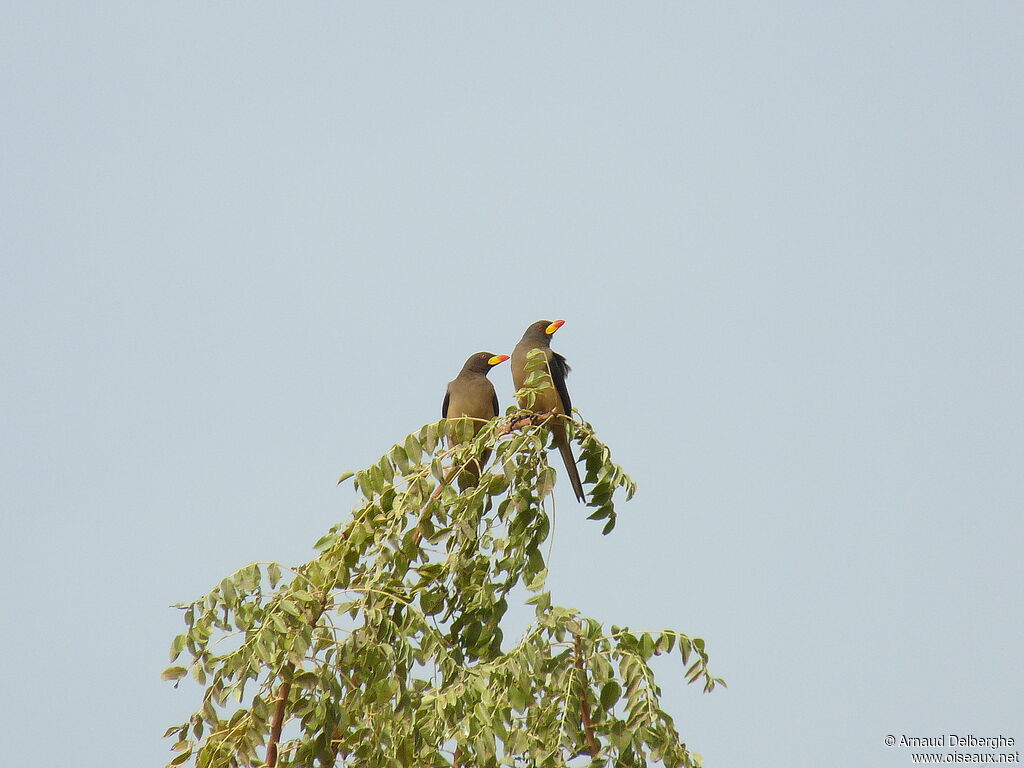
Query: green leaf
column 536, row 360
column 376, row 479
column 542, row 601
column 227, row 589
column 534, row 561
column 646, row 646
column 386, row 468
column 610, row 693
column 536, row 583
column 413, row 449
column 497, row 484
column 463, row 430
column 274, row 574
column 519, row 696
column 401, row 459
column 173, row 673
column 260, row 708
column 666, row 642
column 684, row 649
column 324, row 543
column 536, row 378
column 177, row 645
column 344, row 476
column 263, row 650
column 431, row 603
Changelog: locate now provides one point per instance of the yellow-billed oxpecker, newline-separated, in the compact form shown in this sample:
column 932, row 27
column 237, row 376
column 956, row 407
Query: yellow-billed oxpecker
column 470, row 394
column 554, row 398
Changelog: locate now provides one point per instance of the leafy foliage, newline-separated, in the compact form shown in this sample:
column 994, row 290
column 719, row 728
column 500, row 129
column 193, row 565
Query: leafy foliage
column 387, row 648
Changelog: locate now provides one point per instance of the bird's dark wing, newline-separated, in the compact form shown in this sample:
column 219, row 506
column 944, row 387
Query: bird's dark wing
column 494, row 400
column 444, row 405
column 559, row 370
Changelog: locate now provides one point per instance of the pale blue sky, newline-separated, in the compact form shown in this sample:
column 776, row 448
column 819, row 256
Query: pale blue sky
column 246, row 246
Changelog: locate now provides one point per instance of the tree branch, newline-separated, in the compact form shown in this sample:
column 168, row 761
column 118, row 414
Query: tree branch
column 588, row 725
column 527, row 420
column 278, row 721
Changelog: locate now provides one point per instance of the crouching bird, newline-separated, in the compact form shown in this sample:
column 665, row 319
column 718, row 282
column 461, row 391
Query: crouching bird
column 555, row 397
column 471, row 394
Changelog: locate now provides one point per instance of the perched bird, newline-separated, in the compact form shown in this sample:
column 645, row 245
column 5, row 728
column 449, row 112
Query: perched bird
column 471, row 394
column 554, row 398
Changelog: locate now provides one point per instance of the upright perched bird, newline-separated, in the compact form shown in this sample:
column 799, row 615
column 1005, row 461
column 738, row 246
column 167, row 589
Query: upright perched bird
column 471, row 394
column 554, row 398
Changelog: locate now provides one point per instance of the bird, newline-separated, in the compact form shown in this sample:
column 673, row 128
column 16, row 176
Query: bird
column 554, row 398
column 471, row 394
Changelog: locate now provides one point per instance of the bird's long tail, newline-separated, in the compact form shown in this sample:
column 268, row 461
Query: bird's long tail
column 562, row 441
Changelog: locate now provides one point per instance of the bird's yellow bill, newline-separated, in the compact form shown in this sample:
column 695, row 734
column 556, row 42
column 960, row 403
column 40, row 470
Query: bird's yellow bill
column 497, row 359
column 554, row 327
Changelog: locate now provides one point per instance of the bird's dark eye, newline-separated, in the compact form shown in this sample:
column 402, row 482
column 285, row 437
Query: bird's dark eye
column 483, row 357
